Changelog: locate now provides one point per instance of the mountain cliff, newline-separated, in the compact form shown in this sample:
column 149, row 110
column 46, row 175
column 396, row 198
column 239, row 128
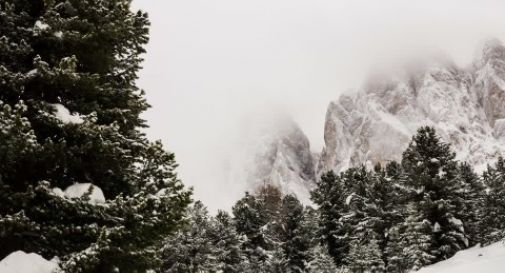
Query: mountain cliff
column 278, row 154
column 466, row 106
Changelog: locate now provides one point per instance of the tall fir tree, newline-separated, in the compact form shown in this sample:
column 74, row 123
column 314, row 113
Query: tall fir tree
column 191, row 249
column 410, row 243
column 251, row 222
column 473, row 203
column 71, row 112
column 295, row 235
column 431, row 173
column 492, row 224
column 225, row 237
column 397, row 261
column 365, row 255
column 330, row 197
column 321, row 261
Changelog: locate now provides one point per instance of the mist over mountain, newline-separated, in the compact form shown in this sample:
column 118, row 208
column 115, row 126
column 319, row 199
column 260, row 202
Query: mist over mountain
column 374, row 124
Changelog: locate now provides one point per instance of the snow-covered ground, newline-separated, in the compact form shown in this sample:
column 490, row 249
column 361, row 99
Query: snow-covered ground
column 489, row 259
column 21, row 262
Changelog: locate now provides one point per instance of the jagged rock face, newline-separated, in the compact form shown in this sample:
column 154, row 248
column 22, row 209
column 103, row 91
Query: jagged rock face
column 282, row 158
column 467, row 107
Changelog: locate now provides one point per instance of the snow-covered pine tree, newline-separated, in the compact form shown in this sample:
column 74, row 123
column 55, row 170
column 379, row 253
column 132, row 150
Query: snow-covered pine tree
column 492, row 223
column 227, row 241
column 271, row 199
column 473, row 197
column 365, row 255
column 329, row 196
column 397, row 261
column 321, row 261
column 71, row 110
column 295, row 236
column 416, row 241
column 252, row 223
column 191, row 249
column 431, row 173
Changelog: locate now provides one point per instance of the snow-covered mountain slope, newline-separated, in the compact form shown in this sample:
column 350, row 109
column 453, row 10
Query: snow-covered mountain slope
column 278, row 154
column 466, row 106
column 489, row 259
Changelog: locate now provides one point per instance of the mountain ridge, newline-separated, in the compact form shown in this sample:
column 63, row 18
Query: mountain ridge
column 375, row 123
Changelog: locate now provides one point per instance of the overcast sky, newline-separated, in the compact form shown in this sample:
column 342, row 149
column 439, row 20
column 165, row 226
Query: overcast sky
column 213, row 65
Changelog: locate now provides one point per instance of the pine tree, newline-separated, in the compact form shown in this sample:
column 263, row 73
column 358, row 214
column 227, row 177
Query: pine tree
column 321, row 261
column 329, row 196
column 431, row 173
column 271, row 199
column 417, row 240
column 397, row 261
column 365, row 255
column 251, row 222
column 492, row 224
column 295, row 236
column 191, row 249
column 473, row 198
column 71, row 112
column 225, row 237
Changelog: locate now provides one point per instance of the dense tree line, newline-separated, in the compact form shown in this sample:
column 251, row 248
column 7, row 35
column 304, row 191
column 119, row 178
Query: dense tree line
column 267, row 232
column 406, row 215
column 393, row 218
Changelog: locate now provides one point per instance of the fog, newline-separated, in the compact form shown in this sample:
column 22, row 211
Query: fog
column 216, row 69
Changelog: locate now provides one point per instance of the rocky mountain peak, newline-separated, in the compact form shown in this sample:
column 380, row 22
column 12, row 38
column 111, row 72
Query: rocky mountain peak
column 374, row 124
column 279, row 154
column 492, row 49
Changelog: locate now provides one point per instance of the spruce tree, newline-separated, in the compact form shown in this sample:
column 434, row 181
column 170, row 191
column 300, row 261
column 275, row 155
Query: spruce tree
column 365, row 255
column 431, row 174
column 417, row 240
column 294, row 234
column 397, row 261
column 492, row 223
column 225, row 238
column 330, row 197
column 321, row 261
column 191, row 249
column 251, row 222
column 473, row 203
column 70, row 113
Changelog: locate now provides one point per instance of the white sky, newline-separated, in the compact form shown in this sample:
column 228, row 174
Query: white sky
column 213, row 64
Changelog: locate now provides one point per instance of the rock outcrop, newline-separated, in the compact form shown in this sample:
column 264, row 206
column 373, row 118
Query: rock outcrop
column 466, row 106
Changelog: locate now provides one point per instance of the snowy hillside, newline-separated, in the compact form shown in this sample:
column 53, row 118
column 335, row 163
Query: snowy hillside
column 466, row 106
column 489, row 259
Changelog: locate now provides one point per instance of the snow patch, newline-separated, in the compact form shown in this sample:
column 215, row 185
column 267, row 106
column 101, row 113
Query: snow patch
column 436, row 227
column 349, row 199
column 63, row 114
column 40, row 25
column 489, row 259
column 79, row 189
column 58, row 192
column 58, row 34
column 32, row 72
column 21, row 262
